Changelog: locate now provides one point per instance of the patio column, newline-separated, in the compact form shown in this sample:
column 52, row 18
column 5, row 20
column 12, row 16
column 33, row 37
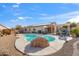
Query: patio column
column 69, row 28
column 53, row 28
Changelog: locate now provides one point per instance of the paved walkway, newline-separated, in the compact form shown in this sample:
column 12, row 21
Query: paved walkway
column 24, row 46
column 76, row 49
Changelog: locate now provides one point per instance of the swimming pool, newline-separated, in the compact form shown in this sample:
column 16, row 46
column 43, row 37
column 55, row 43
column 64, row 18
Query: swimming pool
column 30, row 37
column 49, row 38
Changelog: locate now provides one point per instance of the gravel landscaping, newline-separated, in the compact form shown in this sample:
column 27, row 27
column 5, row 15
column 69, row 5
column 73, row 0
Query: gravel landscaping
column 7, row 46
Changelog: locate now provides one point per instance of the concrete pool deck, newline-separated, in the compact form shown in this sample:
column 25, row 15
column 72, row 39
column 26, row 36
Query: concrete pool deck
column 24, row 46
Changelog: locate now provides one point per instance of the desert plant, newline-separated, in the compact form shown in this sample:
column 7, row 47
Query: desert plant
column 6, row 31
column 75, row 32
column 39, row 42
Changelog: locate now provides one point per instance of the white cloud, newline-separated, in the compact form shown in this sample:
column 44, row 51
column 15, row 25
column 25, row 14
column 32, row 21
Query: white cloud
column 17, row 14
column 64, row 7
column 18, row 19
column 74, row 20
column 65, row 15
column 21, row 18
column 61, row 18
column 43, row 14
column 16, row 6
column 26, row 17
column 47, row 18
column 13, row 20
column 33, row 9
column 18, row 3
column 3, row 6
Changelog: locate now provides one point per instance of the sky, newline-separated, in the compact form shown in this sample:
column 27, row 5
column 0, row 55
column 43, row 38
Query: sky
column 25, row 14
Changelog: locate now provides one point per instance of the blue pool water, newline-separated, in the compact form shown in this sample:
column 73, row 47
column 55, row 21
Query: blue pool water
column 30, row 37
column 49, row 38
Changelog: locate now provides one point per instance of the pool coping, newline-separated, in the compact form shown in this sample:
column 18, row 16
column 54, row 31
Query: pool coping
column 23, row 44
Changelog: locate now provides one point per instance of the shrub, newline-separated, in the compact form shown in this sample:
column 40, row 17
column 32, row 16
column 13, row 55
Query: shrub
column 40, row 42
column 6, row 31
column 75, row 32
column 65, row 26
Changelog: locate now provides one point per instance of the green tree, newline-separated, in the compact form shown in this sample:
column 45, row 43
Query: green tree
column 73, row 25
column 65, row 26
column 18, row 27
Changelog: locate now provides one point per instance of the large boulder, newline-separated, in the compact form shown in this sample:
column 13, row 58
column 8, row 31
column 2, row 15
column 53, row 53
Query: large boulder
column 40, row 43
